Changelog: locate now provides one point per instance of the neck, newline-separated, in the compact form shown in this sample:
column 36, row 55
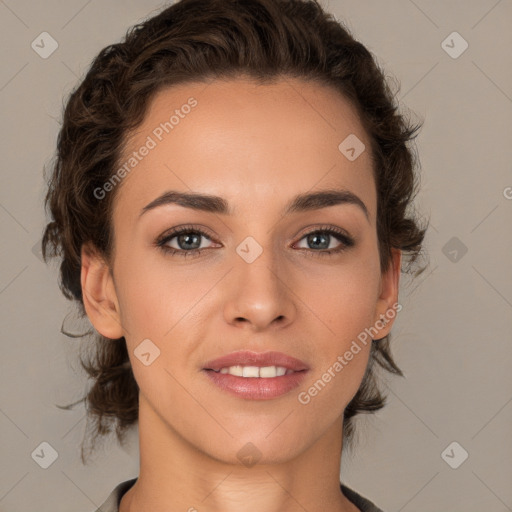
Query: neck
column 175, row 475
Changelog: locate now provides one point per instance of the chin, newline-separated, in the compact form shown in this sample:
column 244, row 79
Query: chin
column 257, row 447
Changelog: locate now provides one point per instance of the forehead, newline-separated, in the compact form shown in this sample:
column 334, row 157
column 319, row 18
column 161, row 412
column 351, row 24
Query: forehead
column 247, row 142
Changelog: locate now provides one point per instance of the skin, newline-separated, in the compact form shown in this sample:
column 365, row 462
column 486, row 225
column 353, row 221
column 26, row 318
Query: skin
column 257, row 146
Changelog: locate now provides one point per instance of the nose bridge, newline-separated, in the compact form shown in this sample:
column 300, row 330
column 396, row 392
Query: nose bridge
column 257, row 266
column 260, row 293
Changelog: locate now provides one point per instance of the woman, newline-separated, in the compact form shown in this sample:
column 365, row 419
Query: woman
column 230, row 201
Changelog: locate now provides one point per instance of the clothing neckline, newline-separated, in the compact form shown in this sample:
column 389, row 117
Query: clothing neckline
column 113, row 501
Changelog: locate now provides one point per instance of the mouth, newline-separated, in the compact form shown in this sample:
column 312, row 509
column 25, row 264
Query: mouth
column 256, row 376
column 249, row 360
column 261, row 372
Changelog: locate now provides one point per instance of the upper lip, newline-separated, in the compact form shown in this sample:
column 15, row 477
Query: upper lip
column 247, row 358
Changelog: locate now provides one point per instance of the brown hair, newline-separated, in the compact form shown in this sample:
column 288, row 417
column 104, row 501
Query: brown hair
column 198, row 40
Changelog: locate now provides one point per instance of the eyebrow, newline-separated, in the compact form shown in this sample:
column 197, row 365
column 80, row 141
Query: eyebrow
column 215, row 204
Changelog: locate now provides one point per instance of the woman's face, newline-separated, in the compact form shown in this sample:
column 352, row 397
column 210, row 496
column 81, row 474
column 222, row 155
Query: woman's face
column 263, row 280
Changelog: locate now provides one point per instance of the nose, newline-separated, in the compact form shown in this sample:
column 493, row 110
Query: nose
column 260, row 294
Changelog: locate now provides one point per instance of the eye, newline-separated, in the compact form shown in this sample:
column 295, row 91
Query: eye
column 188, row 241
column 322, row 238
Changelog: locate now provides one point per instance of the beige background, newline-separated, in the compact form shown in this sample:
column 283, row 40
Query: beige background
column 453, row 337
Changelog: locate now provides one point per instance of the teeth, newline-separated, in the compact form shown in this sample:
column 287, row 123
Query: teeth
column 256, row 371
column 250, row 371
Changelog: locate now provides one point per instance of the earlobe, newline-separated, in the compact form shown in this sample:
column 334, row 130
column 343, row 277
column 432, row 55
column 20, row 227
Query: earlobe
column 99, row 294
column 387, row 304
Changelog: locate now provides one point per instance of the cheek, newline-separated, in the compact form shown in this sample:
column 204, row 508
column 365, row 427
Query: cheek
column 342, row 350
column 345, row 297
column 344, row 303
column 154, row 294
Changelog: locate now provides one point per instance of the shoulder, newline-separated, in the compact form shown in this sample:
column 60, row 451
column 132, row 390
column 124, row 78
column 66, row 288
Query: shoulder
column 364, row 504
column 111, row 504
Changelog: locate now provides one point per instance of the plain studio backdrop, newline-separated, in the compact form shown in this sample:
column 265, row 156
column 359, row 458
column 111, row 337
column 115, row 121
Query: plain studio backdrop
column 443, row 441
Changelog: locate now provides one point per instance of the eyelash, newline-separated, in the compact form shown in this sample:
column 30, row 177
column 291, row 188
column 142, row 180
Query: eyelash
column 161, row 242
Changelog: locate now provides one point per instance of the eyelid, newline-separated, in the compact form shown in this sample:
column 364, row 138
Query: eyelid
column 326, row 227
column 176, row 230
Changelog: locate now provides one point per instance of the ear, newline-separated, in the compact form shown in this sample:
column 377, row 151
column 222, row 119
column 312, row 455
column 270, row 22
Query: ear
column 387, row 303
column 99, row 294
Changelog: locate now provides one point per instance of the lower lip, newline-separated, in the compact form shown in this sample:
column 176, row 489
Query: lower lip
column 256, row 388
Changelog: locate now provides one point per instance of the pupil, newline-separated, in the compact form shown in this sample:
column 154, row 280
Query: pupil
column 313, row 238
column 186, row 240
